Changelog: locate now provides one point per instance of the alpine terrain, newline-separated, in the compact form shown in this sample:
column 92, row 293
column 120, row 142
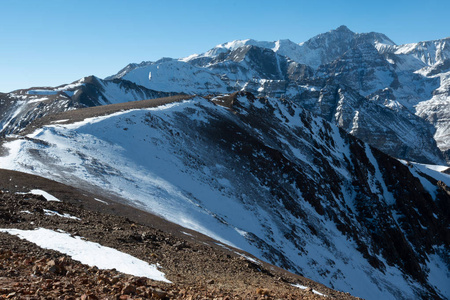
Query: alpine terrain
column 326, row 159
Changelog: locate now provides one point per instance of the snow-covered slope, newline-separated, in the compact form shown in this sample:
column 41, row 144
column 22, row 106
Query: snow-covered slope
column 268, row 177
column 19, row 108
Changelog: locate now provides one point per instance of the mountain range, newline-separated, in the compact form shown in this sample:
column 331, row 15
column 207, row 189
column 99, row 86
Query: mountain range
column 311, row 156
column 392, row 97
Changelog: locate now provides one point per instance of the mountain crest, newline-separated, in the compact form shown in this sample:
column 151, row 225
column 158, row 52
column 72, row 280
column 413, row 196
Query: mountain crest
column 343, row 28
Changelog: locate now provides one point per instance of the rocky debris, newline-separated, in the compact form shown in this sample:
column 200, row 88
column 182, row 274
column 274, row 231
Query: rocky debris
column 443, row 187
column 198, row 271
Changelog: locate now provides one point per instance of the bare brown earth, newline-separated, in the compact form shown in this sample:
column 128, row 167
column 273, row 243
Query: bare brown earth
column 198, row 266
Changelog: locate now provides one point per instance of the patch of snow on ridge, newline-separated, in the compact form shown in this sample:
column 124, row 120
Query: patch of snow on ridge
column 89, row 253
column 46, row 195
column 18, row 108
column 55, row 213
column 163, row 163
column 439, row 275
column 101, row 201
column 378, row 179
column 176, row 76
column 305, row 287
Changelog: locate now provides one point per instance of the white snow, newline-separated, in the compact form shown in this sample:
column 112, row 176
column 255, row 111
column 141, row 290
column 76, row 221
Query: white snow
column 305, row 287
column 55, row 213
column 45, row 194
column 433, row 171
column 37, row 100
column 378, row 181
column 18, row 108
column 101, row 201
column 437, row 111
column 177, row 76
column 89, row 253
column 439, row 275
column 248, row 258
column 60, row 121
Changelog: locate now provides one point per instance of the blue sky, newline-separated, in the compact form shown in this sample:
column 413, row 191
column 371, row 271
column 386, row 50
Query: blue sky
column 51, row 42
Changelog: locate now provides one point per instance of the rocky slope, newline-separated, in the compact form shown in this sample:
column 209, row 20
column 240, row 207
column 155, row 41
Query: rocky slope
column 263, row 175
column 196, row 266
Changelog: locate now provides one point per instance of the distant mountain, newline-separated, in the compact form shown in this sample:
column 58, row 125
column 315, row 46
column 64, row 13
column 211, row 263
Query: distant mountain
column 264, row 175
column 19, row 108
column 393, row 97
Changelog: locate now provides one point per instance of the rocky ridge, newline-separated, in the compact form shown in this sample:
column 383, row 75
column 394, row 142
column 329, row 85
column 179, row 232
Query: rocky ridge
column 19, row 108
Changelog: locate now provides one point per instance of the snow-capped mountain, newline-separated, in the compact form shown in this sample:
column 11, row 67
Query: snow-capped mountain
column 399, row 82
column 19, row 108
column 266, row 176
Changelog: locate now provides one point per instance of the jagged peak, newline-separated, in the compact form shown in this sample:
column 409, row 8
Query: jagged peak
column 343, row 28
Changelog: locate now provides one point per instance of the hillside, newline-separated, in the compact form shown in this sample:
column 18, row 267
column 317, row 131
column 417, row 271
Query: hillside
column 262, row 175
column 196, row 265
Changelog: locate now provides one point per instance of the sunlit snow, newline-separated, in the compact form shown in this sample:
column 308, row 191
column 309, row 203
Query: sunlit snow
column 92, row 254
column 46, row 195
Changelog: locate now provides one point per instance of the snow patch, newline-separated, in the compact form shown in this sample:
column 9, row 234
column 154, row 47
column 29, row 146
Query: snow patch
column 305, row 287
column 101, row 201
column 89, row 253
column 55, row 213
column 46, row 195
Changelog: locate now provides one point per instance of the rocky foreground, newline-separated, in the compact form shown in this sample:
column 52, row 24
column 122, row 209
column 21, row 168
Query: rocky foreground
column 198, row 267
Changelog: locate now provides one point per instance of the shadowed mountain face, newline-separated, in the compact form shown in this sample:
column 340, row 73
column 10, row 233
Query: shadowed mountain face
column 266, row 176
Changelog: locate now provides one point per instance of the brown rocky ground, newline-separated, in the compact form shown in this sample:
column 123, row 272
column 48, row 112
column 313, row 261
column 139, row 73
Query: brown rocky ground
column 197, row 266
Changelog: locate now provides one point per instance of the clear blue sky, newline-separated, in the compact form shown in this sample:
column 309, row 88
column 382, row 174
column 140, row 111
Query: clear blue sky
column 51, row 42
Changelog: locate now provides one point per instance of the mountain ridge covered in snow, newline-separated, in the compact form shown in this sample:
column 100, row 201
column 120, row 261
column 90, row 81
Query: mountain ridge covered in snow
column 265, row 176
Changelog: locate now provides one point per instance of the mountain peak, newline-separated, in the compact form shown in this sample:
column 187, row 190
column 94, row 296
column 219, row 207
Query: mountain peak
column 343, row 28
